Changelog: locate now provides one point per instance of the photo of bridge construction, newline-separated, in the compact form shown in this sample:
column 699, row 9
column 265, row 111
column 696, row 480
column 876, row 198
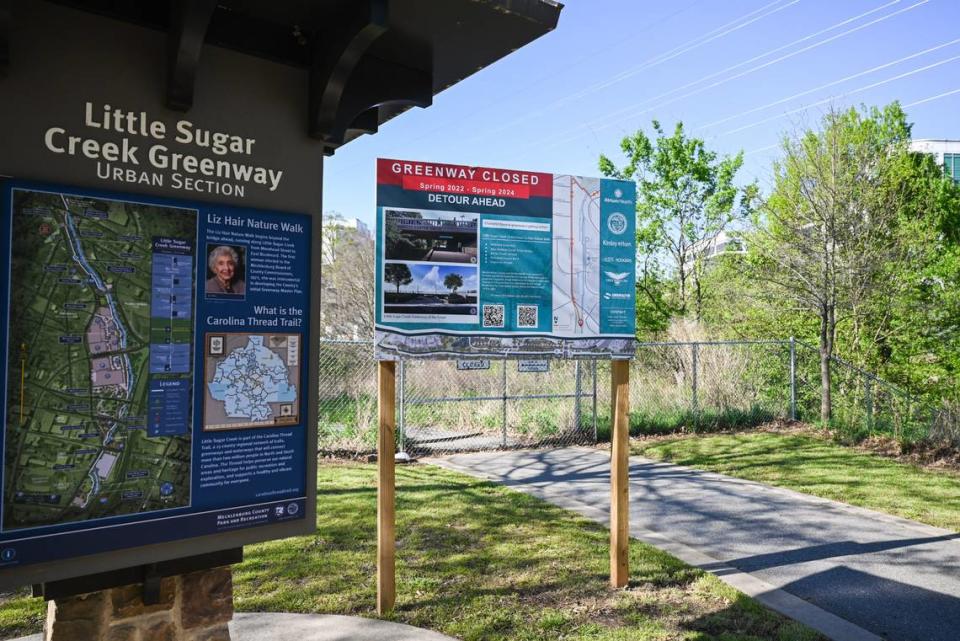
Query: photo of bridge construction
column 426, row 236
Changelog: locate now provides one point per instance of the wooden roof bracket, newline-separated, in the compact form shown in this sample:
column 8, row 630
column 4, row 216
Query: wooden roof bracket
column 362, row 65
column 6, row 27
column 189, row 22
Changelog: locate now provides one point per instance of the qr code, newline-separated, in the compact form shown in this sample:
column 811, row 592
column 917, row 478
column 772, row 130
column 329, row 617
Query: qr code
column 493, row 315
column 527, row 315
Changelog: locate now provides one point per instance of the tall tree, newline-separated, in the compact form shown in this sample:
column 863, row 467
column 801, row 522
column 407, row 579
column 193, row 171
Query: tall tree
column 830, row 231
column 912, row 333
column 686, row 197
column 453, row 282
column 348, row 284
column 398, row 274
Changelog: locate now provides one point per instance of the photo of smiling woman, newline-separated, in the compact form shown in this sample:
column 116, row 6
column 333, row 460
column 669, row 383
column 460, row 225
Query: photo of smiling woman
column 225, row 270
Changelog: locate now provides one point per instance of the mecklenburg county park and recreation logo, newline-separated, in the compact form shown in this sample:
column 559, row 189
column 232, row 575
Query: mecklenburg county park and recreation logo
column 617, row 223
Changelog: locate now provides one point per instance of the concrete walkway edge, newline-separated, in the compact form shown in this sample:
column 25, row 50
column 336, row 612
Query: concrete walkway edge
column 279, row 626
column 826, row 623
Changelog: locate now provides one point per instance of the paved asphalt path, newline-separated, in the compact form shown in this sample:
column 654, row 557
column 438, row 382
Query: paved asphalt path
column 807, row 557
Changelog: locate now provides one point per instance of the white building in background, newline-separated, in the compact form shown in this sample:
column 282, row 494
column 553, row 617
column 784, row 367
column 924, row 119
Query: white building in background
column 721, row 244
column 357, row 225
column 946, row 152
column 337, row 228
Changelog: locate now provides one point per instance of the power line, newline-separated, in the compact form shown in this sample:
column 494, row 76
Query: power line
column 605, row 120
column 775, row 50
column 932, row 98
column 915, row 103
column 829, row 84
column 867, row 87
column 682, row 49
column 654, row 61
column 873, row 85
column 759, row 149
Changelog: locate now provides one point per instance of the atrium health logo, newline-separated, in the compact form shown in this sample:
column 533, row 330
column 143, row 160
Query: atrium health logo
column 617, row 223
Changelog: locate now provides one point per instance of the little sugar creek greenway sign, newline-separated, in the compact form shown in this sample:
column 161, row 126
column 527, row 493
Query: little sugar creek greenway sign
column 189, row 157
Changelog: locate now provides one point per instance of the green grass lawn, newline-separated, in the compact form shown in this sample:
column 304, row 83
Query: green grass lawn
column 480, row 561
column 819, row 467
column 20, row 614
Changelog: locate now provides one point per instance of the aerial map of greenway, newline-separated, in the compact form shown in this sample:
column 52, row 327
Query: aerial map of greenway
column 100, row 359
column 576, row 255
column 251, row 381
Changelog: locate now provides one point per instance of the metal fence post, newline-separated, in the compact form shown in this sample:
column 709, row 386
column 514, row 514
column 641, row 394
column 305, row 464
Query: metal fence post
column 576, row 400
column 696, row 358
column 503, row 439
column 793, row 378
column 402, row 431
column 594, row 372
column 868, row 401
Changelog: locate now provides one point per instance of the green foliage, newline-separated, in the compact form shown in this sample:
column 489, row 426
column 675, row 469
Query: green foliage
column 685, row 197
column 914, row 334
column 671, row 421
column 855, row 250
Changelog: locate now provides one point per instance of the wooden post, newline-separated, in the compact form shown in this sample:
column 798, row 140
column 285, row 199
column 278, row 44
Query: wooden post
column 386, row 479
column 619, row 476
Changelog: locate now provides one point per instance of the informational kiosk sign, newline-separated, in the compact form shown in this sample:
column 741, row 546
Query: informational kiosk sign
column 154, row 379
column 157, row 372
column 492, row 262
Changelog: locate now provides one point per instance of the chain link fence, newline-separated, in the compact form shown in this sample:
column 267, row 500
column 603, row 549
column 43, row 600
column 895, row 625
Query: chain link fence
column 865, row 405
column 443, row 409
column 694, row 386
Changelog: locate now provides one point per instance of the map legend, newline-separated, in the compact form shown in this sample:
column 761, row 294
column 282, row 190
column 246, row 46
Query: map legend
column 169, row 407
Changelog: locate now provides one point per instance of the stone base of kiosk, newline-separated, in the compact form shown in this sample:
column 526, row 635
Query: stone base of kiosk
column 192, row 607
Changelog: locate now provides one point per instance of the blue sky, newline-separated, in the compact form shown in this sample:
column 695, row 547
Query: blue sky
column 738, row 73
column 428, row 279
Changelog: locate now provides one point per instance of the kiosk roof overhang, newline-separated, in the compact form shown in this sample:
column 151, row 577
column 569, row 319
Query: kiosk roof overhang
column 367, row 60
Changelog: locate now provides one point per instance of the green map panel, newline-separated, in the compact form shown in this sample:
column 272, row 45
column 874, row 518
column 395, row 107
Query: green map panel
column 76, row 443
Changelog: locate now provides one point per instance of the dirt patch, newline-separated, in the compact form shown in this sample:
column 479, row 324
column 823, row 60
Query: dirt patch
column 930, row 456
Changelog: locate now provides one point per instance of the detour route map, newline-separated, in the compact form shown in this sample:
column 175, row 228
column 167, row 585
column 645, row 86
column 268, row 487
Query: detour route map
column 576, row 255
column 98, row 389
column 251, row 381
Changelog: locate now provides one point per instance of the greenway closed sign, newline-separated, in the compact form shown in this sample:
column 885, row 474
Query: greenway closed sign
column 493, row 262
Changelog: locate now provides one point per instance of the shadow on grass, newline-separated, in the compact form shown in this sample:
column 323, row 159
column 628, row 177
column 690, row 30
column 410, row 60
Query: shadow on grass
column 476, row 561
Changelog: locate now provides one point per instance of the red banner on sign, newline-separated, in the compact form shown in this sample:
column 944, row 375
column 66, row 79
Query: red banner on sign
column 466, row 187
column 476, row 181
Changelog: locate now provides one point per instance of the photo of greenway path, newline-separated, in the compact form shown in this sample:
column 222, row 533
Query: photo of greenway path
column 430, row 236
column 411, row 288
column 101, row 308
